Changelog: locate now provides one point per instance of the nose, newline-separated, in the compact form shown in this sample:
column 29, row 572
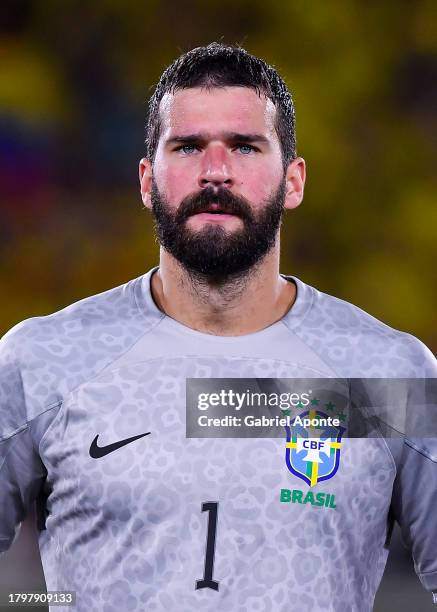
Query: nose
column 215, row 168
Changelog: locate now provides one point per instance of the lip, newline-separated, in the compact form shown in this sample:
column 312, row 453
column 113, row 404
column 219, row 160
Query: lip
column 214, row 217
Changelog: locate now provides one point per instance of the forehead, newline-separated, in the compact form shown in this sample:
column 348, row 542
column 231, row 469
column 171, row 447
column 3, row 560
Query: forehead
column 237, row 109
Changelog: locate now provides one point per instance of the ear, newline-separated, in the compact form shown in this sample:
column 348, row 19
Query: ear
column 145, row 171
column 295, row 182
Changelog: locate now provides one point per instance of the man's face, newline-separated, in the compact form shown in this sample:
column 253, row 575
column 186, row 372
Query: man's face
column 218, row 181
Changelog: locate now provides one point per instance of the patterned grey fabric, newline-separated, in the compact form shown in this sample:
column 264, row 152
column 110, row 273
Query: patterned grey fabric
column 126, row 531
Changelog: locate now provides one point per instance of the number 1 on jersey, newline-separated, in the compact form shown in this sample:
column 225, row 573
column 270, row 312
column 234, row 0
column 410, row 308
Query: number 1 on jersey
column 207, row 582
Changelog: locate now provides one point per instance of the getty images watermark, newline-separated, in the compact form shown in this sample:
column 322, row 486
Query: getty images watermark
column 228, row 398
column 266, row 407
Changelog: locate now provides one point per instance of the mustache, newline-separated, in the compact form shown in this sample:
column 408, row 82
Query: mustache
column 228, row 202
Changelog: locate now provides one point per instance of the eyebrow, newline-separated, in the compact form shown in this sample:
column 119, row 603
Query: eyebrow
column 231, row 137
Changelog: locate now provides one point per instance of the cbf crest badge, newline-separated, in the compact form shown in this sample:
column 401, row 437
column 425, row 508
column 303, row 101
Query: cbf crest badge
column 313, row 453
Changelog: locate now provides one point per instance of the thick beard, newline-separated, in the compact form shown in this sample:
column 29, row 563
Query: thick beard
column 213, row 255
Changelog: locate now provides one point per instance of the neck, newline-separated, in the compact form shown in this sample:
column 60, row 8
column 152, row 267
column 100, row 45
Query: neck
column 235, row 307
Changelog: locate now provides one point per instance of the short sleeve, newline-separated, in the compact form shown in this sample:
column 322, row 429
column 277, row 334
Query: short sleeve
column 21, row 469
column 414, row 505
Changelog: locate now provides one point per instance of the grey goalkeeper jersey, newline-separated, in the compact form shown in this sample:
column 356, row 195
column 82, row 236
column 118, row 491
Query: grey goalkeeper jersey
column 139, row 525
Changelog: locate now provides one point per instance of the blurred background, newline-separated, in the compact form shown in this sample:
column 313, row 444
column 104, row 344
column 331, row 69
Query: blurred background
column 75, row 78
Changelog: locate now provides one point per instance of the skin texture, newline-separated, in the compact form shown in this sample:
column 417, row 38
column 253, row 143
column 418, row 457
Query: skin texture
column 216, row 158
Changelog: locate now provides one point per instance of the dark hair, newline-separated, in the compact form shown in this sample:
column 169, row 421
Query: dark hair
column 217, row 65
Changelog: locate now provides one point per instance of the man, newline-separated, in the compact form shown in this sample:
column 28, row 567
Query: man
column 135, row 515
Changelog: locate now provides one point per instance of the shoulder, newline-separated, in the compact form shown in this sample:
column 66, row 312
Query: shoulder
column 114, row 310
column 357, row 344
column 48, row 356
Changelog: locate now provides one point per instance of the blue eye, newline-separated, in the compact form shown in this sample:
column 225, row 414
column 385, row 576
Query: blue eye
column 187, row 149
column 245, row 148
